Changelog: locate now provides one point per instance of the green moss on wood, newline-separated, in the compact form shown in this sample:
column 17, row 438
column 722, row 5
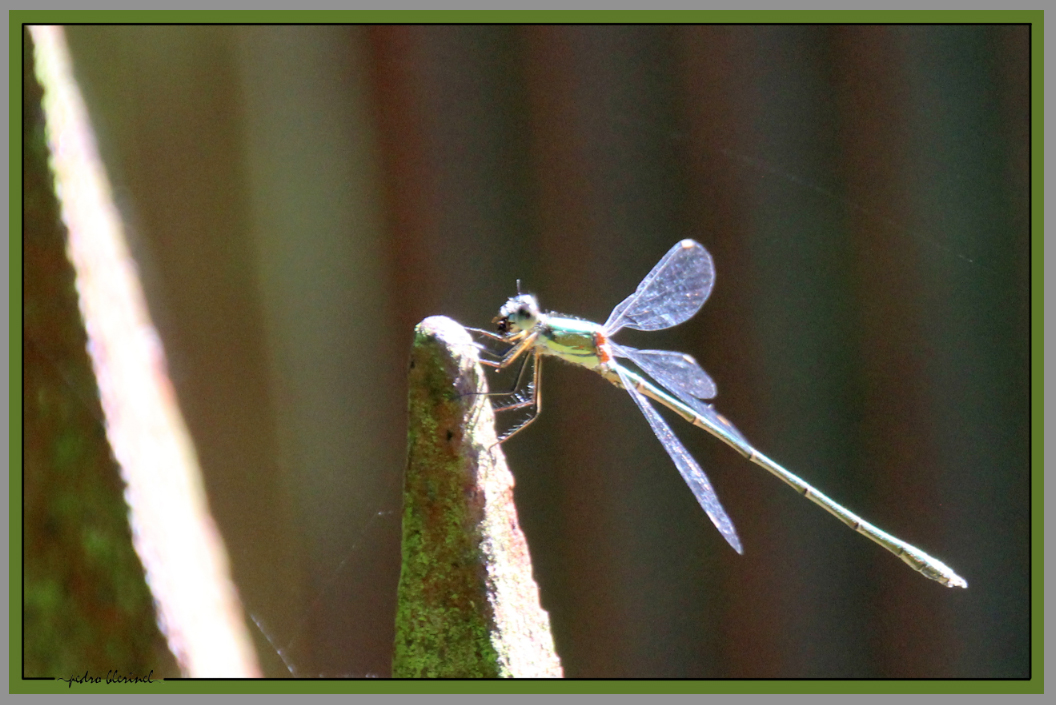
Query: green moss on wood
column 442, row 629
column 468, row 606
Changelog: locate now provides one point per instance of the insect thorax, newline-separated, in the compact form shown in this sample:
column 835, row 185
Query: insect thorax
column 570, row 339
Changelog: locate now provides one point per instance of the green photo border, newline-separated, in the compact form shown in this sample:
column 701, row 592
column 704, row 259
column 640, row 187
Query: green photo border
column 18, row 18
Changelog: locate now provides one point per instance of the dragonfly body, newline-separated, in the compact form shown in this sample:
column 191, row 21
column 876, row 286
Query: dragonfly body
column 671, row 293
column 572, row 340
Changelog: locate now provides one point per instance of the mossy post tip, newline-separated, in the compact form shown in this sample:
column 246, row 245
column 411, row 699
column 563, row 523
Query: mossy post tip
column 468, row 606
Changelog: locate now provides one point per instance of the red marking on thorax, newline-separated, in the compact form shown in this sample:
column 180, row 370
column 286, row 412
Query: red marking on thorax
column 601, row 344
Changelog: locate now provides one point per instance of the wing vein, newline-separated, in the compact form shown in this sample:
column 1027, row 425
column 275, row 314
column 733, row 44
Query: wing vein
column 687, row 466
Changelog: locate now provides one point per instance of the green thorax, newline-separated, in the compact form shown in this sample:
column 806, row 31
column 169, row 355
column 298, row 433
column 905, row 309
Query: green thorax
column 570, row 339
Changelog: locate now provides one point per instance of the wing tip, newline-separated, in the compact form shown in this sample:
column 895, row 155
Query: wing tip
column 736, row 543
column 729, row 533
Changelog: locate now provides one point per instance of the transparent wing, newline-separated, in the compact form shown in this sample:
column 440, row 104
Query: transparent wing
column 687, row 466
column 673, row 370
column 721, row 425
column 682, row 376
column 671, row 293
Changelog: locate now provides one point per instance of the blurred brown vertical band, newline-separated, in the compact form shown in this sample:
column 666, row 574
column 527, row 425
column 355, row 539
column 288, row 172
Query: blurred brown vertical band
column 408, row 179
column 875, row 141
column 718, row 106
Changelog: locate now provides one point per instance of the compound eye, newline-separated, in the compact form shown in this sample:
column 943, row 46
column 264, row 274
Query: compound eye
column 524, row 312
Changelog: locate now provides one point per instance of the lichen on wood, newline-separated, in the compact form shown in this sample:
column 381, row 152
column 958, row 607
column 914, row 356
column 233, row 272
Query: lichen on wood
column 468, row 606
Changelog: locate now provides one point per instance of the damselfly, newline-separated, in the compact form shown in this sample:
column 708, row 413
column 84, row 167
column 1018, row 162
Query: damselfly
column 673, row 292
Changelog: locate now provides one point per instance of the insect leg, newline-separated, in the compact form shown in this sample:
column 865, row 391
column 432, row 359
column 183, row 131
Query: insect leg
column 537, row 401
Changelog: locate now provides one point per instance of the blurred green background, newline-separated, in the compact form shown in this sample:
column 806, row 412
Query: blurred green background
column 299, row 197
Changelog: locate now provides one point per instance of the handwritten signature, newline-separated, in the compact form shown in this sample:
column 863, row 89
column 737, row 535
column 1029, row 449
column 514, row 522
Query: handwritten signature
column 110, row 677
